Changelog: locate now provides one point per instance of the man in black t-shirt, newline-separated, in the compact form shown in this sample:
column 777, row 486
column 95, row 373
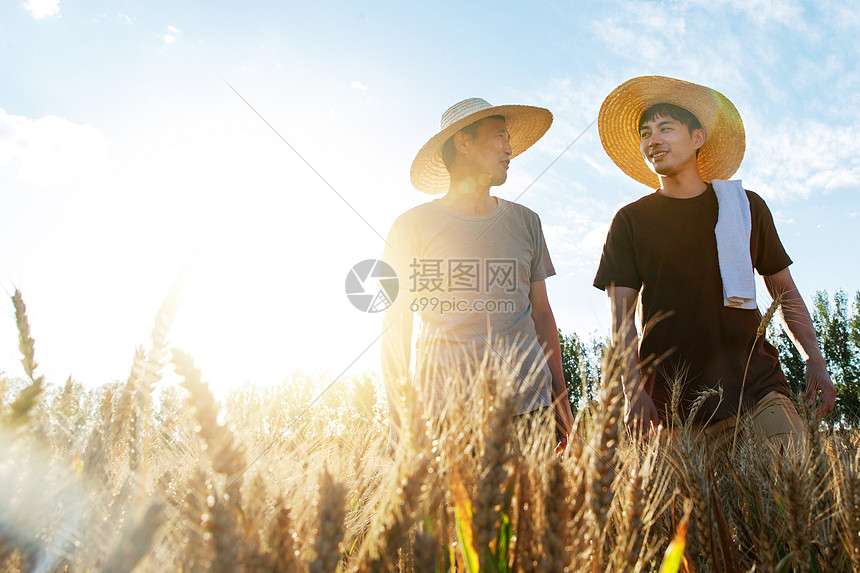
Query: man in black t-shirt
column 683, row 249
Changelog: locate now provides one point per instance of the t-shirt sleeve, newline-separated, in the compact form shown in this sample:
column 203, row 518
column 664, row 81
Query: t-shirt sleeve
column 769, row 256
column 541, row 263
column 618, row 261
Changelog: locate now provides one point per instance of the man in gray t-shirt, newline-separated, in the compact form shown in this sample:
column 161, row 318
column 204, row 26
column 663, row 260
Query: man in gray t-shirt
column 473, row 267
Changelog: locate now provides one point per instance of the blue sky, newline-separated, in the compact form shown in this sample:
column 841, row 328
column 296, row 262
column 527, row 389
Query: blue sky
column 124, row 153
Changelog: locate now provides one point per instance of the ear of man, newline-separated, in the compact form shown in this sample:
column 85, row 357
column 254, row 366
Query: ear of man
column 699, row 137
column 462, row 141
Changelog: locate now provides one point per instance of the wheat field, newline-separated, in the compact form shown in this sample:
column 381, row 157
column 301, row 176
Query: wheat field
column 148, row 476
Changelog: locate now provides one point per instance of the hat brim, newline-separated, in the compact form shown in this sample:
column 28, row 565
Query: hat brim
column 618, row 125
column 525, row 124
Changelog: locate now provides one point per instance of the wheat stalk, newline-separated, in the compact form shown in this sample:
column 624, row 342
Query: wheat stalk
column 228, row 456
column 555, row 540
column 29, row 396
column 281, row 541
column 604, row 444
column 495, row 470
column 796, row 491
column 760, row 331
column 330, row 525
column 135, row 544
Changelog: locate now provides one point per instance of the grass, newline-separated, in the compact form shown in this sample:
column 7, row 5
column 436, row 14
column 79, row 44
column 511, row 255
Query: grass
column 150, row 477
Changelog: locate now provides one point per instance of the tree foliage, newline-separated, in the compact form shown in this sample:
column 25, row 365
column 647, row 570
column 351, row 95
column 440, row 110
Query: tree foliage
column 580, row 361
column 837, row 325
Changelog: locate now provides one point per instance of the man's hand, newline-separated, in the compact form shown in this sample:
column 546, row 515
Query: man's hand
column 563, row 422
column 801, row 330
column 818, row 381
column 562, row 444
column 641, row 415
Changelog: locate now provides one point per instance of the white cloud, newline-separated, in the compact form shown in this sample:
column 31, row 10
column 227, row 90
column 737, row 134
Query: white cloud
column 579, row 233
column 840, row 14
column 784, row 12
column 41, row 9
column 358, row 85
column 666, row 38
column 624, row 33
column 802, row 158
column 125, row 17
column 51, row 151
column 599, row 167
column 173, row 31
column 592, row 242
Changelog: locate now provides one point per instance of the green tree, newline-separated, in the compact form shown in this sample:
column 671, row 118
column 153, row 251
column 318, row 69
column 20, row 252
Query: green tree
column 855, row 322
column 837, row 331
column 580, row 361
column 789, row 357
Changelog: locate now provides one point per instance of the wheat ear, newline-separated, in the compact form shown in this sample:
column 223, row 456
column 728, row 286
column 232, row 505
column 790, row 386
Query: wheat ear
column 329, row 530
column 29, row 396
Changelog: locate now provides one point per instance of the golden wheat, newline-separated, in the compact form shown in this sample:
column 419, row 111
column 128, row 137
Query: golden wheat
column 134, row 477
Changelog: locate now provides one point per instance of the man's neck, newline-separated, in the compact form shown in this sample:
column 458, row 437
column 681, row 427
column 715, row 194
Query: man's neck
column 682, row 185
column 467, row 197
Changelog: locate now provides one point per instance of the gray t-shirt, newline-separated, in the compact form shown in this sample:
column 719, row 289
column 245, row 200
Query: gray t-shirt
column 469, row 278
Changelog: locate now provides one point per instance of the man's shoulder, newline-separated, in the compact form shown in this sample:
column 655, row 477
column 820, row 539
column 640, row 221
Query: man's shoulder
column 758, row 206
column 418, row 212
column 518, row 210
column 420, row 209
column 644, row 202
column 639, row 207
column 407, row 226
column 755, row 199
column 514, row 205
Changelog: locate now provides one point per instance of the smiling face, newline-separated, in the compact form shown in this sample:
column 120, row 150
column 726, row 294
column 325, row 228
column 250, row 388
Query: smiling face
column 488, row 154
column 668, row 146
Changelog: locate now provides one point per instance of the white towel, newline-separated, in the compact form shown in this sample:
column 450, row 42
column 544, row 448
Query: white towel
column 734, row 223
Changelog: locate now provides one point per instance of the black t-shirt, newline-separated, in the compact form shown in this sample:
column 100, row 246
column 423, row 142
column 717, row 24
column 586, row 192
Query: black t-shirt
column 667, row 248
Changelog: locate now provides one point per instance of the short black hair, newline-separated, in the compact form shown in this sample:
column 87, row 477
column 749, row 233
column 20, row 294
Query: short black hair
column 670, row 110
column 449, row 152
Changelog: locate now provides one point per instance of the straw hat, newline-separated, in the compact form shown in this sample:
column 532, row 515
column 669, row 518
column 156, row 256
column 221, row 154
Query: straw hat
column 526, row 125
column 618, row 124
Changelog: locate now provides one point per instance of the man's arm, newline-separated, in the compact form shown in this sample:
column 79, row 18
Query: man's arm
column 547, row 334
column 396, row 346
column 641, row 413
column 802, row 333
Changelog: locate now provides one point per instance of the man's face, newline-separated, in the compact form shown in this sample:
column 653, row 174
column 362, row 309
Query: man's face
column 668, row 146
column 490, row 152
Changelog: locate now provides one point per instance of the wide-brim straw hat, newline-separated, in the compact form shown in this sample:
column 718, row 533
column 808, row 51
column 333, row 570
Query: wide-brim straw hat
column 525, row 124
column 618, row 124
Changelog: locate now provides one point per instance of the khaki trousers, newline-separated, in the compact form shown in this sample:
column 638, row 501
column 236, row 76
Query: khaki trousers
column 773, row 418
